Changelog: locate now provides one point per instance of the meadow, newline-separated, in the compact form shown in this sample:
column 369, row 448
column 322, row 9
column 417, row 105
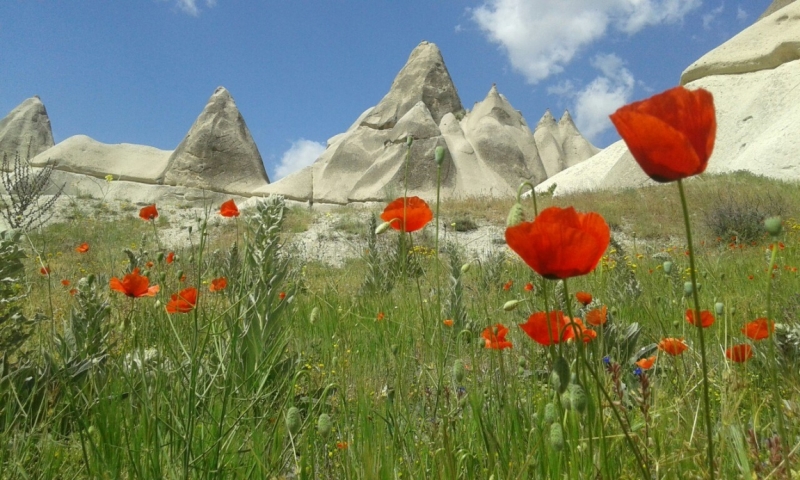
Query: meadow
column 380, row 369
column 607, row 342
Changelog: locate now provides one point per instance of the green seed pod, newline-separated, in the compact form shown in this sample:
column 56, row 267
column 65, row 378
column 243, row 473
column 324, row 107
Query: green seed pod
column 160, row 257
column 550, row 413
column 91, row 278
column 687, row 288
column 556, row 437
column 314, row 315
column 719, row 308
column 162, row 277
column 773, row 226
column 439, row 156
column 324, row 425
column 732, row 310
column 578, row 398
column 515, row 215
column 409, row 141
column 559, row 378
column 293, row 422
column 511, row 305
column 465, row 268
column 458, row 371
column 521, row 362
column 667, row 267
column 566, row 400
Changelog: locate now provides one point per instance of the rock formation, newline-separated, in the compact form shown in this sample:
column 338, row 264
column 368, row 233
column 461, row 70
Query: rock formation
column 753, row 77
column 218, row 153
column 774, row 7
column 86, row 156
column 26, row 126
column 490, row 150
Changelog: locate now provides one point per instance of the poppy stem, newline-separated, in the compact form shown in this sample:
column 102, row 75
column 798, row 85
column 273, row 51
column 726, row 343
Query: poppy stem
column 773, row 366
column 699, row 325
column 533, row 196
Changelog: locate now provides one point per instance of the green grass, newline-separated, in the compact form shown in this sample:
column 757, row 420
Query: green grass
column 381, row 364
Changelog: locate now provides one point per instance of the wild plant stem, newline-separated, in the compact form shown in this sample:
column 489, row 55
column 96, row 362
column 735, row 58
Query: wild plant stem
column 773, row 367
column 699, row 326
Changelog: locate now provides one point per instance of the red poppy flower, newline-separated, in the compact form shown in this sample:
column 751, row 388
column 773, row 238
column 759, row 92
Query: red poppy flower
column 706, row 318
column 495, row 337
column 218, row 284
column 646, row 363
column 758, row 329
column 229, row 209
column 149, row 264
column 739, row 353
column 560, row 242
column 671, row 135
column 45, row 271
column 380, row 316
column 449, row 322
column 529, row 287
column 341, row 445
column 508, row 285
column 282, row 295
column 584, row 297
column 182, row 302
column 587, row 334
column 170, row 257
column 673, row 346
column 597, row 316
column 537, row 327
column 134, row 285
column 417, row 214
column 65, row 282
column 82, row 248
column 148, row 213
column 73, row 291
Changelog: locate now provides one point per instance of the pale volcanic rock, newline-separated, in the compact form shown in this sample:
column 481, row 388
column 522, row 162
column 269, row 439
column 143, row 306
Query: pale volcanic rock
column 86, row 156
column 218, row 153
column 27, row 125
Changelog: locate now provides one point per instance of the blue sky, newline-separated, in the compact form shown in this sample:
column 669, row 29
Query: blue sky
column 301, row 71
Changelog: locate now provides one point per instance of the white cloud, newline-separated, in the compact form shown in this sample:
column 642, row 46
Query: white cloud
column 741, row 15
column 709, row 17
column 301, row 154
column 540, row 37
column 190, row 6
column 592, row 104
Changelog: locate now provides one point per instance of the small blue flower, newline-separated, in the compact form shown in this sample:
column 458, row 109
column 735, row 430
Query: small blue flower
column 637, row 371
column 607, row 360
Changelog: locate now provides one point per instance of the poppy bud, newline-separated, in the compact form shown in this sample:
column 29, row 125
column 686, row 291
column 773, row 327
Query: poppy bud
column 91, row 278
column 465, row 268
column 687, row 288
column 719, row 307
column 160, row 257
column 324, row 425
column 458, row 371
column 556, row 436
column 409, row 141
column 395, row 349
column 521, row 362
column 511, row 305
column 732, row 310
column 515, row 215
column 385, row 226
column 293, row 422
column 314, row 315
column 577, row 398
column 550, row 414
column 773, row 226
column 667, row 267
column 439, row 156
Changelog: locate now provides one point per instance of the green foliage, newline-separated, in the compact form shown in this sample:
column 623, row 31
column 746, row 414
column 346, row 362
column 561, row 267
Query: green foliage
column 464, row 224
column 455, row 308
column 14, row 327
